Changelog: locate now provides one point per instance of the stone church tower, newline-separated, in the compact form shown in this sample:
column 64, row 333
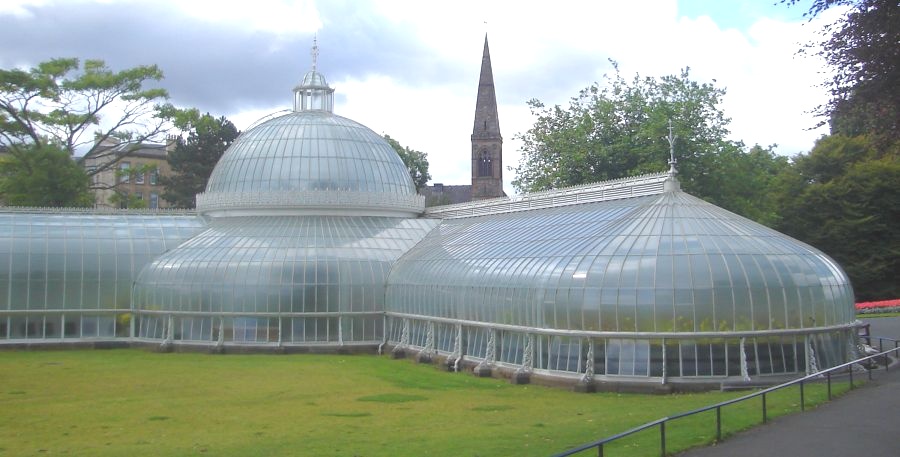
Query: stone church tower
column 487, row 144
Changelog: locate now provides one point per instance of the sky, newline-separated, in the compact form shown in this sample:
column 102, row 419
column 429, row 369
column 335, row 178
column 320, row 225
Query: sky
column 409, row 68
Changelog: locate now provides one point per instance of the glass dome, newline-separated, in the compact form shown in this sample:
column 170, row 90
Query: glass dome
column 310, row 161
column 314, row 79
column 664, row 263
column 285, row 279
column 664, row 285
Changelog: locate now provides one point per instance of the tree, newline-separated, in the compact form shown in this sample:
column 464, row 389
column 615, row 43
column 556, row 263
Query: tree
column 55, row 103
column 125, row 200
column 861, row 48
column 43, row 176
column 745, row 180
column 194, row 159
column 416, row 162
column 843, row 198
column 618, row 129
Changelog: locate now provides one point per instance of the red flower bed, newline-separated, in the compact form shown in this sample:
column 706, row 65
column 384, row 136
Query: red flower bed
column 885, row 306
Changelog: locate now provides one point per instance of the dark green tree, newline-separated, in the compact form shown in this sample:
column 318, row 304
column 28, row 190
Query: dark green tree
column 78, row 108
column 862, row 49
column 618, row 129
column 43, row 175
column 416, row 162
column 744, row 182
column 843, row 198
column 194, row 158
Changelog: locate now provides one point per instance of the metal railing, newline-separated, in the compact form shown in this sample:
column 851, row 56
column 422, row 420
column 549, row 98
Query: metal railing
column 635, row 186
column 816, row 377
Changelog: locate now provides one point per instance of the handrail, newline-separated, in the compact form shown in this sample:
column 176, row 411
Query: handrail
column 661, row 423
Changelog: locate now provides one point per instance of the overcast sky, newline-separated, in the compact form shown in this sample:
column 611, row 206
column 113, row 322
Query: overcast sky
column 410, row 68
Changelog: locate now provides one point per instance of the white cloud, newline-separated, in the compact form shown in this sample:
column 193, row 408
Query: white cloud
column 769, row 89
column 434, row 120
column 20, row 8
column 283, row 17
column 542, row 51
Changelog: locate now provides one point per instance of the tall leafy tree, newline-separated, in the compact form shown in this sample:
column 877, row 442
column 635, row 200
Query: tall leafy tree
column 618, row 129
column 843, row 198
column 77, row 107
column 43, row 175
column 862, row 49
column 416, row 162
column 194, row 158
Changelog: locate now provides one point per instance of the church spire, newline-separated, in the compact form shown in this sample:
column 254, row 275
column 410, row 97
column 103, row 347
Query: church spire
column 487, row 144
column 487, row 124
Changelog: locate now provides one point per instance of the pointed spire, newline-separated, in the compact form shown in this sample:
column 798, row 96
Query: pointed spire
column 487, row 123
column 487, row 144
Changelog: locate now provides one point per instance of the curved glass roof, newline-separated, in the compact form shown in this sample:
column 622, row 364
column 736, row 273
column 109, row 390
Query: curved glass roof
column 312, row 162
column 81, row 261
column 311, row 151
column 314, row 79
column 310, row 159
column 661, row 263
column 292, row 264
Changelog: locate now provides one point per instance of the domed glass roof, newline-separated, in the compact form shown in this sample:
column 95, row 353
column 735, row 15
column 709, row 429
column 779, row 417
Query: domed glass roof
column 314, row 78
column 661, row 263
column 292, row 257
column 310, row 160
column 311, row 151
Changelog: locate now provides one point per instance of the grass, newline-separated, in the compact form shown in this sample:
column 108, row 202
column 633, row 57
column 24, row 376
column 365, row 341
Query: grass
column 136, row 403
column 876, row 315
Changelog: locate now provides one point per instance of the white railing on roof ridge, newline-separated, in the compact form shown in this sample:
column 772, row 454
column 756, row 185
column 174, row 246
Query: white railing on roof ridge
column 97, row 210
column 634, row 186
column 327, row 199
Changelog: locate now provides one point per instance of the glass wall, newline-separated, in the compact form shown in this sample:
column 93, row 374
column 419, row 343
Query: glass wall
column 629, row 356
column 69, row 274
column 276, row 279
column 658, row 265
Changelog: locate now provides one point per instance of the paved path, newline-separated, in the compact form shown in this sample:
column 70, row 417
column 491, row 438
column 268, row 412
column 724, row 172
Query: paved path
column 864, row 422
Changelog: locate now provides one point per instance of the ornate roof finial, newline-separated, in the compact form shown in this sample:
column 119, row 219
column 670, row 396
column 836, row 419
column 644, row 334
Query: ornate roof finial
column 672, row 160
column 315, row 51
column 313, row 92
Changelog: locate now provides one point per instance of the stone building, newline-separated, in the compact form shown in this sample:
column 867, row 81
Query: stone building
column 136, row 174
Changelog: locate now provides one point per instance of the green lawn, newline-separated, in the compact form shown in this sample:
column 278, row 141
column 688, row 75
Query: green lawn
column 132, row 402
column 876, row 315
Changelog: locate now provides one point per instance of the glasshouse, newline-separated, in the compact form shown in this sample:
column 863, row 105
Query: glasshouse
column 310, row 236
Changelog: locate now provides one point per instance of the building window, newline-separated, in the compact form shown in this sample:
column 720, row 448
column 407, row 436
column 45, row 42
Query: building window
column 484, row 165
column 154, row 176
column 154, row 200
column 139, row 195
column 91, row 171
column 124, row 171
column 139, row 177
